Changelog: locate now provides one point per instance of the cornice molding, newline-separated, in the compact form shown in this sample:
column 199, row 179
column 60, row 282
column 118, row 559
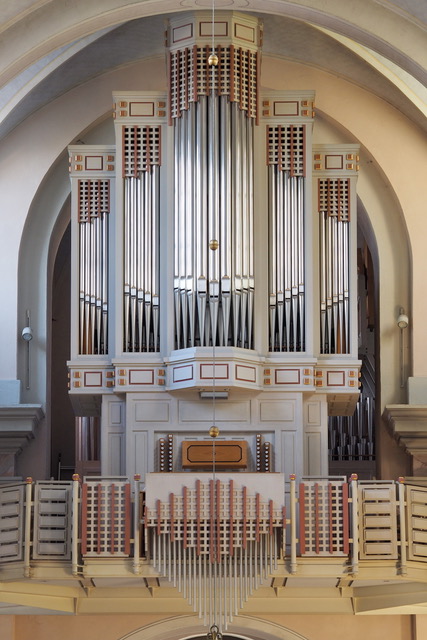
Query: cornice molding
column 408, row 424
column 17, row 426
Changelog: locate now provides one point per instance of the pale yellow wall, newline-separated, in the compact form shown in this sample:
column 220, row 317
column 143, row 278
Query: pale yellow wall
column 107, row 627
column 323, row 627
column 327, row 627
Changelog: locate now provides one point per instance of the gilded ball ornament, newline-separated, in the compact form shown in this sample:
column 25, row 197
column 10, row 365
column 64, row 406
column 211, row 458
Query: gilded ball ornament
column 213, row 60
column 214, row 432
column 213, row 245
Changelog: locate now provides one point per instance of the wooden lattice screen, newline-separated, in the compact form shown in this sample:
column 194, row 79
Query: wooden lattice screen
column 106, row 518
column 324, row 522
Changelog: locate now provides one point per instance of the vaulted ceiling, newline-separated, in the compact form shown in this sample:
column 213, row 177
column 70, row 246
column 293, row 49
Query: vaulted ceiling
column 48, row 47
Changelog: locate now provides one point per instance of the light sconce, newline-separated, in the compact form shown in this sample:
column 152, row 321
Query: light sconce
column 403, row 320
column 402, row 323
column 27, row 336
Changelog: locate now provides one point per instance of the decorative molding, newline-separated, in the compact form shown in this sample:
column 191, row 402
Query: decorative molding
column 408, row 424
column 18, row 424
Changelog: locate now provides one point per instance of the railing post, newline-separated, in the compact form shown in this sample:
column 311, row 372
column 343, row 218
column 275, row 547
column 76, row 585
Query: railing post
column 354, row 524
column 136, row 526
column 293, row 507
column 27, row 530
column 402, row 522
column 75, row 525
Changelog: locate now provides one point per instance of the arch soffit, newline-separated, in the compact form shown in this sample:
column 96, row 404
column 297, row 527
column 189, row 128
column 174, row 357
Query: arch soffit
column 190, row 627
column 373, row 26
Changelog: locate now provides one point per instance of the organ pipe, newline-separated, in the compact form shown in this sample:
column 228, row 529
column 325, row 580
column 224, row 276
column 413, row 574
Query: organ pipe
column 286, row 147
column 93, row 209
column 213, row 114
column 217, row 543
column 141, row 177
column 334, row 236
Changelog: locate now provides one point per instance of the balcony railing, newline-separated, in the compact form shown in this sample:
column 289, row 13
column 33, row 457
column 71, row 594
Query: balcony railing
column 81, row 522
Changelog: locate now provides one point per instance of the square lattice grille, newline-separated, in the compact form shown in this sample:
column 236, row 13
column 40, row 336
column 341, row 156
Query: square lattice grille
column 334, row 198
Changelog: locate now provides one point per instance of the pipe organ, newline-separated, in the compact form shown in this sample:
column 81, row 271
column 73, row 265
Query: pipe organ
column 214, row 256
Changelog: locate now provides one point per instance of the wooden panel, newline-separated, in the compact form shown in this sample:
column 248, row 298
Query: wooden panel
column 378, row 520
column 417, row 523
column 11, row 523
column 52, row 517
column 229, row 454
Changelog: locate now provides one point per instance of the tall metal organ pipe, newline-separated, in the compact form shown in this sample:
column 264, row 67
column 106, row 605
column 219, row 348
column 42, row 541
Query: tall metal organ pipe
column 141, row 171
column 286, row 186
column 334, row 236
column 93, row 207
column 213, row 117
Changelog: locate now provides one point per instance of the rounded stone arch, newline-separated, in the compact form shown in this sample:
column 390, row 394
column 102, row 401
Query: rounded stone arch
column 191, row 628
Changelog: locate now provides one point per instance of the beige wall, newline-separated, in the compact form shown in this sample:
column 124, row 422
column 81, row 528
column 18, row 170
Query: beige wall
column 115, row 627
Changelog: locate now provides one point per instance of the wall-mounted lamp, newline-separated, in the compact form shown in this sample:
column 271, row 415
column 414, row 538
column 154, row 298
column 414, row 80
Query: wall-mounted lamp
column 27, row 335
column 403, row 320
column 402, row 323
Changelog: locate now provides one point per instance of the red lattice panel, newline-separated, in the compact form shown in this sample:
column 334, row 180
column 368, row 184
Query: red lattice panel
column 106, row 519
column 334, row 198
column 323, row 518
column 236, row 75
column 141, row 149
column 93, row 199
column 286, row 148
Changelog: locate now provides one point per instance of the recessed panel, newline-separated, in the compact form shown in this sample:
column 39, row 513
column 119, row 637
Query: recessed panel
column 245, row 373
column 94, row 163
column 141, row 109
column 183, row 32
column 286, row 108
column 224, row 411
column 221, row 29
column 287, row 376
column 93, row 379
column 333, row 162
column 141, row 376
column 151, row 411
column 277, row 411
column 243, row 32
column 183, row 374
column 335, row 379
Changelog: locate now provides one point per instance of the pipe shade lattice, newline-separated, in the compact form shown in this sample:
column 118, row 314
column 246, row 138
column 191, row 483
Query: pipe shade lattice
column 216, row 543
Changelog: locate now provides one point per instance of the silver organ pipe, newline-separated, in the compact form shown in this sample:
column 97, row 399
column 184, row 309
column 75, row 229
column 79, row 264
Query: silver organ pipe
column 213, row 114
column 228, row 541
column 141, row 176
column 334, row 247
column 286, row 150
column 93, row 210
